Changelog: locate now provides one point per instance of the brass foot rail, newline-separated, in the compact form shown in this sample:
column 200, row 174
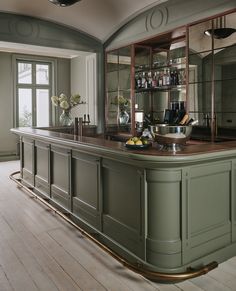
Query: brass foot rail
column 151, row 275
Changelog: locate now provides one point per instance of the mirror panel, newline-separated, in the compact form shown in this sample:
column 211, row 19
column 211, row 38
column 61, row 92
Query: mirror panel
column 212, row 75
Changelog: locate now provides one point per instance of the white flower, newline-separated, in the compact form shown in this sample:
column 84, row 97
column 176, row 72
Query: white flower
column 55, row 100
column 74, row 99
column 62, row 97
column 64, row 104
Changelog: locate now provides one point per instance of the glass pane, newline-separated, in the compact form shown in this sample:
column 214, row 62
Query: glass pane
column 42, row 105
column 124, row 68
column 25, row 107
column 200, row 67
column 112, row 109
column 112, row 71
column 200, row 102
column 225, row 63
column 142, row 58
column 42, row 74
column 225, row 102
column 24, row 73
column 198, row 40
column 225, row 31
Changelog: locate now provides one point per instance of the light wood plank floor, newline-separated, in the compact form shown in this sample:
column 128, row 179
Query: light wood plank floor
column 40, row 251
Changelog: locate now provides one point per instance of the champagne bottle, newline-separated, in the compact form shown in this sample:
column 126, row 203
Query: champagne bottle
column 184, row 119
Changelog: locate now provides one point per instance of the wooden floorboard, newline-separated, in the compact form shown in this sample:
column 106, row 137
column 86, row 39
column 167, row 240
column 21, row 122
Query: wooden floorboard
column 40, row 251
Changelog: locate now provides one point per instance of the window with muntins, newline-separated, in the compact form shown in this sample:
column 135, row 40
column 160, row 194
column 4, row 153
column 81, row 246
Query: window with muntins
column 33, row 91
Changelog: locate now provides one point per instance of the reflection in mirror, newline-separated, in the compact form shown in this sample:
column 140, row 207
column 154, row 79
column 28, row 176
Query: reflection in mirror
column 118, row 70
column 213, row 60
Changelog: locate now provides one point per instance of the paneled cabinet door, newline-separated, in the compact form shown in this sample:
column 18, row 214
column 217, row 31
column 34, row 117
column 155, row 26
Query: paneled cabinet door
column 27, row 161
column 85, row 180
column 60, row 176
column 42, row 176
column 124, row 205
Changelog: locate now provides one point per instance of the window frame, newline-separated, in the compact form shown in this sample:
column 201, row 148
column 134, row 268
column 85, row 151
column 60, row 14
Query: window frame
column 34, row 60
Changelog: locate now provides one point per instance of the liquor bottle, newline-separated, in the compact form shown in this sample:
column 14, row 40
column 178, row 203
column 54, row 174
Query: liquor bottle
column 164, row 78
column 136, row 81
column 160, row 80
column 150, row 79
column 171, row 78
column 154, row 80
column 139, row 81
column 144, row 81
column 168, row 77
column 176, row 78
column 147, row 81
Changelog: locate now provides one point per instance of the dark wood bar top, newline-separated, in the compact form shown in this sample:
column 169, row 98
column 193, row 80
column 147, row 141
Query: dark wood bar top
column 191, row 148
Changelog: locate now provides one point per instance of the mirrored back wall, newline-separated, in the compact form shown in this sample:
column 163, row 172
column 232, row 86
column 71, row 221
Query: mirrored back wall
column 212, row 73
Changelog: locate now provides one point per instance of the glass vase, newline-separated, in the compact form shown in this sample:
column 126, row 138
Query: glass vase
column 66, row 118
column 123, row 117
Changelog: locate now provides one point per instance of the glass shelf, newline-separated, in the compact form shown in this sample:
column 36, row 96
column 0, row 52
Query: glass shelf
column 163, row 88
column 180, row 66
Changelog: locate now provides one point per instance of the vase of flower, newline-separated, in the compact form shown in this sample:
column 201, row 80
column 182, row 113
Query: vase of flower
column 123, row 117
column 123, row 108
column 66, row 118
column 66, row 103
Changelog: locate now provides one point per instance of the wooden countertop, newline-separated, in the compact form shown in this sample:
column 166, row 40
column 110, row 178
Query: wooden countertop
column 191, row 148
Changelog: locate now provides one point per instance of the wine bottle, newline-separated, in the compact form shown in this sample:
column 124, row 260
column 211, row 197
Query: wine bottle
column 184, row 119
column 179, row 116
column 192, row 122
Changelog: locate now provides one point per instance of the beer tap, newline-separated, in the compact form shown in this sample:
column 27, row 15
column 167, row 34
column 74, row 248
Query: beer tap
column 84, row 121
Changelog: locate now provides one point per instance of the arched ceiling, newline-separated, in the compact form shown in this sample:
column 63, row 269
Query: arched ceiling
column 99, row 18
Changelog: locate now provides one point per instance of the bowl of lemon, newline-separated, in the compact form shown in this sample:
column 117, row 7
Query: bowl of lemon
column 137, row 143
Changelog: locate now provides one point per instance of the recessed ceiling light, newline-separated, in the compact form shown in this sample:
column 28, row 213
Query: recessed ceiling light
column 63, row 3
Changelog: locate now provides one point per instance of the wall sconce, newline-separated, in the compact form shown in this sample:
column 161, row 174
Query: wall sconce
column 63, row 3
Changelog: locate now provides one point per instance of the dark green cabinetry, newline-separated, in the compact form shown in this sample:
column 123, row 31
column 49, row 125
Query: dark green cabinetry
column 27, row 162
column 42, row 170
column 123, row 202
column 60, row 175
column 167, row 213
column 86, row 188
column 164, row 217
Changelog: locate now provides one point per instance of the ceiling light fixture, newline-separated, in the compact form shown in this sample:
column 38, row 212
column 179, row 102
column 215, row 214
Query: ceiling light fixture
column 63, row 3
column 221, row 31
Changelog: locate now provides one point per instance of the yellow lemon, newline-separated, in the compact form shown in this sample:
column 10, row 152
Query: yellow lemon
column 130, row 141
column 135, row 139
column 139, row 142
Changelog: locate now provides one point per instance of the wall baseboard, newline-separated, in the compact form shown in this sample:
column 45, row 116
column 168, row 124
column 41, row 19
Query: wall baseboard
column 8, row 157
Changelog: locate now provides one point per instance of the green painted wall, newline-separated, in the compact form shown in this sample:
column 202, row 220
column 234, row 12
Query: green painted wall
column 164, row 17
column 29, row 30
